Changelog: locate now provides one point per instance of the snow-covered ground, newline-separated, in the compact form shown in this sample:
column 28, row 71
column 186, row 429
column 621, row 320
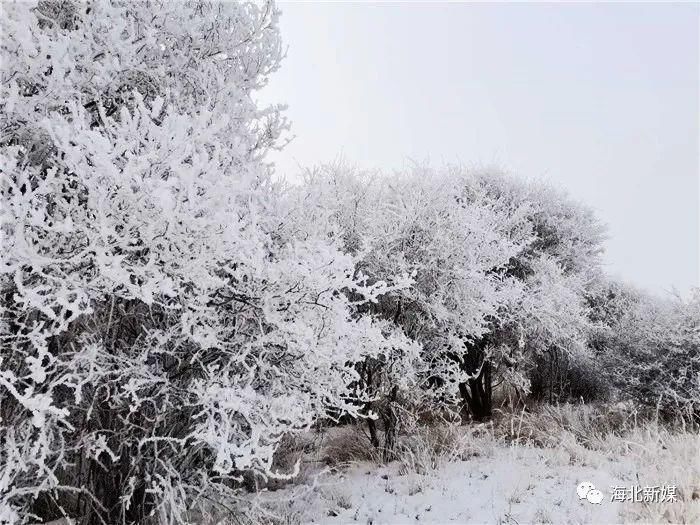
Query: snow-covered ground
column 482, row 475
column 500, row 484
column 516, row 485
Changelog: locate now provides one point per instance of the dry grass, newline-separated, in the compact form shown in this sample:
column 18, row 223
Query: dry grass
column 543, row 425
column 429, row 448
column 636, row 446
column 661, row 456
column 346, row 445
column 631, row 446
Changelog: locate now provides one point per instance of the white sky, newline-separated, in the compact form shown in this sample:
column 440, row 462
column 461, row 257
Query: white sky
column 600, row 99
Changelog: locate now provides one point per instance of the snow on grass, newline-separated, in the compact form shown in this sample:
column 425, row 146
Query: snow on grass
column 514, row 485
column 484, row 477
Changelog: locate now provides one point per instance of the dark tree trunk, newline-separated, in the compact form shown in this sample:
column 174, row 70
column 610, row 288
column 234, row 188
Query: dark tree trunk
column 476, row 393
column 371, row 423
column 391, row 422
column 372, row 427
column 480, row 388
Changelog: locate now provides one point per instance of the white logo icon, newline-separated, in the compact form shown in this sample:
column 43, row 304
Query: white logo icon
column 595, row 496
column 587, row 490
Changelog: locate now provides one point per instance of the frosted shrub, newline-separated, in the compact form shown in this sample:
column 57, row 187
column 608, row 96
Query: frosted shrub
column 160, row 334
column 650, row 348
column 500, row 269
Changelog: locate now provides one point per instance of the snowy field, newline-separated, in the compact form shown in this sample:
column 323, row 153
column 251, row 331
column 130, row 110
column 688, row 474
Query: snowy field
column 485, row 479
column 514, row 485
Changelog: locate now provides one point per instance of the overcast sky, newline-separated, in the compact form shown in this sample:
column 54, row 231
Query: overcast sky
column 600, row 99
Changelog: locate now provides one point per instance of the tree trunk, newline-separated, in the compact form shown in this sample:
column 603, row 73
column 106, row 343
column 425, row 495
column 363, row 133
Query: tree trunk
column 477, row 395
column 372, row 427
column 481, row 391
column 371, row 423
column 391, row 421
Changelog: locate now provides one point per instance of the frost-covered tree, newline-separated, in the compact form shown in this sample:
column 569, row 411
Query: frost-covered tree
column 649, row 347
column 500, row 266
column 160, row 330
column 548, row 321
